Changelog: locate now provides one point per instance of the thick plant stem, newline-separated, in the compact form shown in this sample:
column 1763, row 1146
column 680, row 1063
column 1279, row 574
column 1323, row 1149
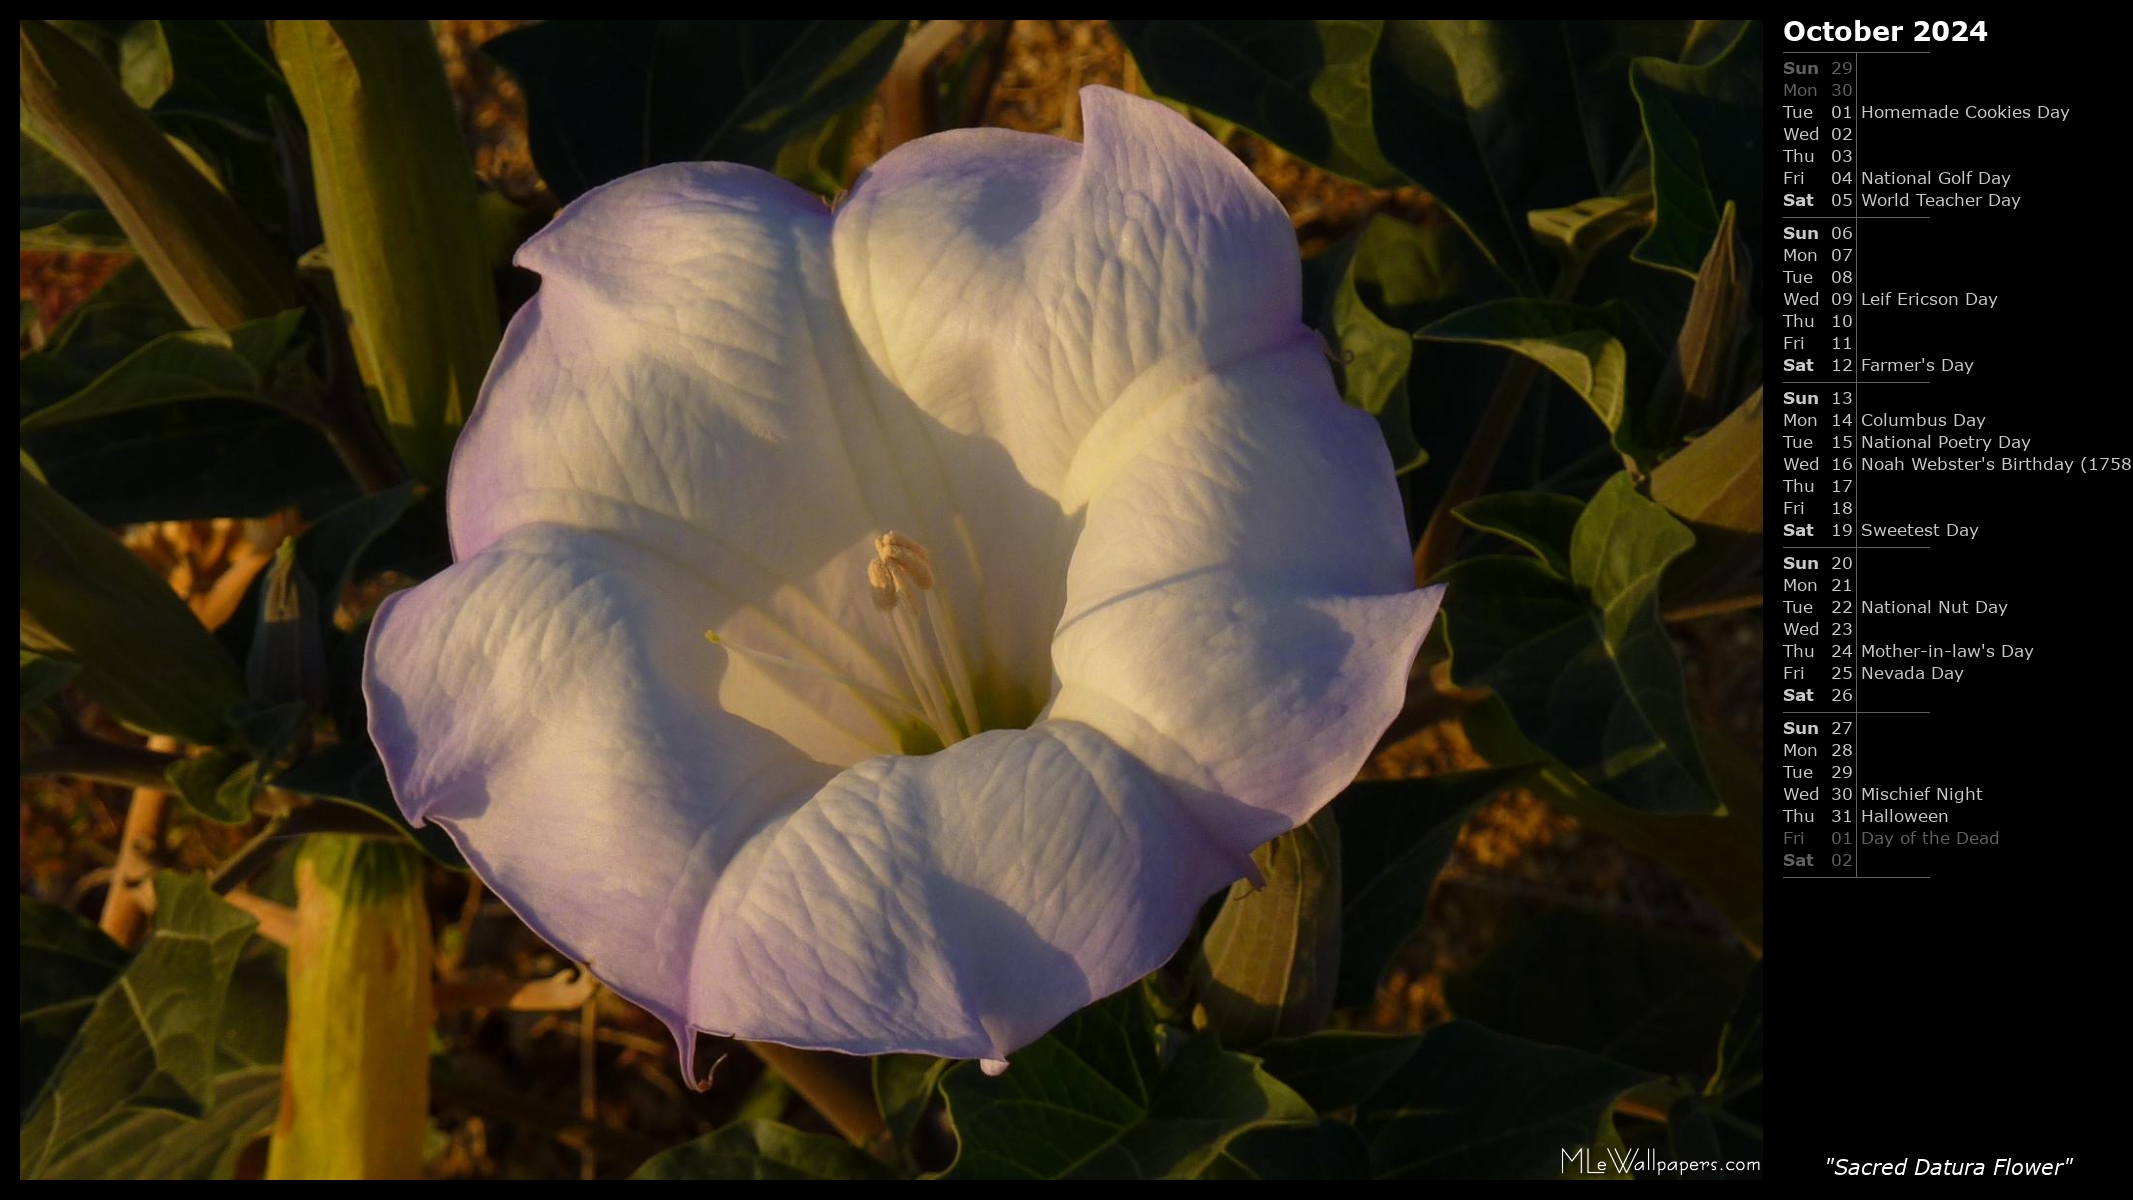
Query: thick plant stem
column 817, row 1077
column 127, row 904
column 102, row 761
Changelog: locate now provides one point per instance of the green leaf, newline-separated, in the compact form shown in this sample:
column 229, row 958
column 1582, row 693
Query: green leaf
column 1396, row 835
column 1586, row 666
column 1471, row 1104
column 606, row 98
column 332, row 549
column 1368, row 294
column 218, row 785
column 1578, row 231
column 1638, row 995
column 1700, row 379
column 149, row 1041
column 195, row 364
column 1447, row 105
column 1738, row 1081
column 763, row 1150
column 210, row 260
column 62, row 964
column 1091, row 1100
column 1579, row 345
column 350, row 773
column 1303, row 85
column 42, row 678
column 1286, row 1150
column 395, row 186
column 143, row 654
column 903, row 1088
column 1337, row 1068
column 1705, row 128
column 1539, row 521
column 156, row 1143
column 1715, row 485
column 1268, row 963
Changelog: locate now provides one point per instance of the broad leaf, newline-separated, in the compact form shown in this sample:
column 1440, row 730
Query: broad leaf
column 1705, row 127
column 1396, row 834
column 42, row 678
column 1092, row 1100
column 904, row 1085
column 1328, row 1150
column 350, row 773
column 1268, row 964
column 1578, row 345
column 194, row 364
column 606, row 98
column 1471, row 1104
column 1715, row 485
column 1645, row 997
column 63, row 963
column 1337, row 1068
column 1367, row 296
column 1541, row 522
column 1578, row 231
column 155, row 1143
column 763, row 1150
column 149, row 1041
column 1585, row 665
column 87, row 599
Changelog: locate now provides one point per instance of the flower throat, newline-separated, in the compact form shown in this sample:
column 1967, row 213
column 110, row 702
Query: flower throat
column 941, row 700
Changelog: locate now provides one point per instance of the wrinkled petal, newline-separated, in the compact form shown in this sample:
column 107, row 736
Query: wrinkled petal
column 685, row 379
column 1018, row 287
column 528, row 700
column 958, row 904
column 1241, row 613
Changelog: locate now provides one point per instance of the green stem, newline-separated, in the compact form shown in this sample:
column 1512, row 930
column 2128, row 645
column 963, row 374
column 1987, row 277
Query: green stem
column 102, row 761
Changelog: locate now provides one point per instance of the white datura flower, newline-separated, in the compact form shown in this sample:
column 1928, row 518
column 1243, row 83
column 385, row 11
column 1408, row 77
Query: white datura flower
column 1044, row 572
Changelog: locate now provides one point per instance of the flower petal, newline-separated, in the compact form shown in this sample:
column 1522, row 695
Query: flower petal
column 1240, row 613
column 686, row 379
column 1019, row 288
column 530, row 700
column 958, row 904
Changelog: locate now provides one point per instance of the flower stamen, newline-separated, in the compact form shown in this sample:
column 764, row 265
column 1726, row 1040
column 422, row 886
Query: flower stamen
column 901, row 578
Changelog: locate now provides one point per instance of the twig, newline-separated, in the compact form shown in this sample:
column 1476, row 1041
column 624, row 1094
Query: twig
column 908, row 110
column 564, row 991
column 127, row 904
column 277, row 922
column 588, row 1083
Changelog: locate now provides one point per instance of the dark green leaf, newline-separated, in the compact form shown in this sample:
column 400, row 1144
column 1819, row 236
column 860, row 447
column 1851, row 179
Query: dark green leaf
column 1288, row 1150
column 1705, row 127
column 331, row 549
column 1578, row 231
column 143, row 654
column 155, row 1143
column 1337, row 1068
column 1539, row 521
column 1368, row 295
column 1699, row 385
column 1303, row 85
column 63, row 963
column 1738, row 1082
column 606, row 98
column 1579, row 345
column 1395, row 836
column 149, row 1041
column 1091, row 1100
column 42, row 678
column 1641, row 996
column 1268, row 963
column 903, row 1087
column 202, row 459
column 1586, row 666
column 1471, row 1104
column 1715, row 485
column 218, row 785
column 763, row 1150
column 195, row 364
column 350, row 773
